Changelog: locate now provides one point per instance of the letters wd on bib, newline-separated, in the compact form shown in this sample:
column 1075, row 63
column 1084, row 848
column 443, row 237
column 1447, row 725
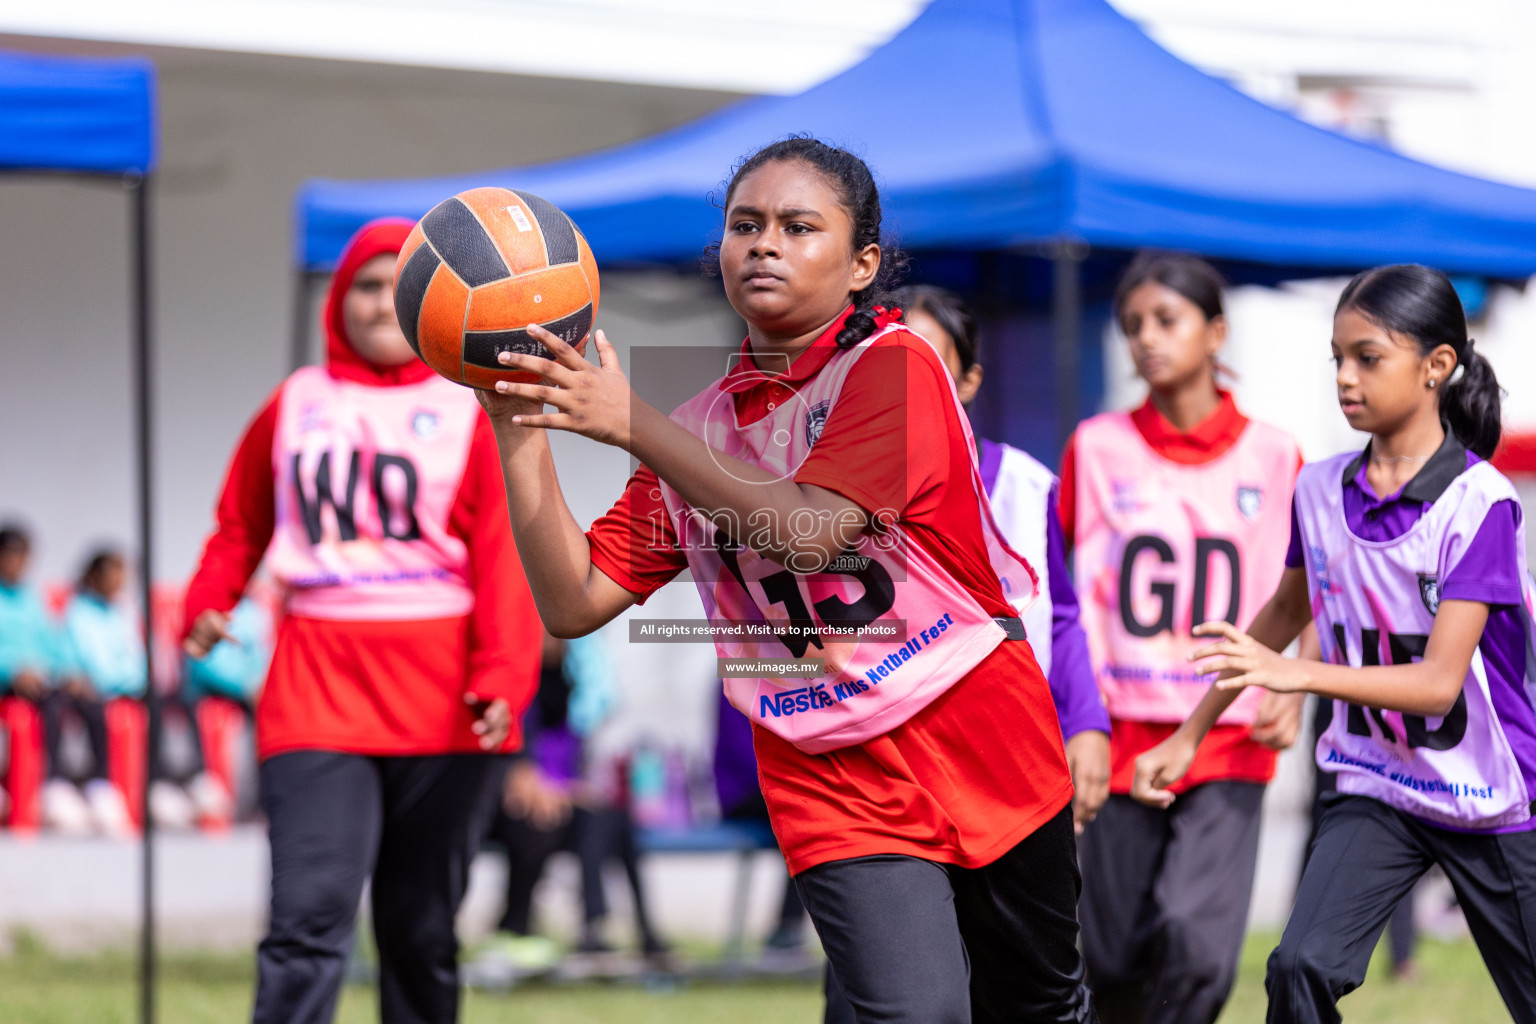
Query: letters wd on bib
column 347, row 454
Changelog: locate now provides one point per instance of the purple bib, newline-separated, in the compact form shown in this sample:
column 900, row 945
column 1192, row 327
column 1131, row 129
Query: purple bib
column 1374, row 603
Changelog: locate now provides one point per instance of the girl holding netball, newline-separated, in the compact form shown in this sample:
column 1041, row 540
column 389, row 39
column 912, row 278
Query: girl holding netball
column 1410, row 555
column 1180, row 511
column 827, row 485
column 409, row 648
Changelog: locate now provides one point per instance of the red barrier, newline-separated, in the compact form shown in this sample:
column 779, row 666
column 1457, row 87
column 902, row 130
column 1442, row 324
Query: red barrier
column 23, row 724
column 127, row 753
column 219, row 722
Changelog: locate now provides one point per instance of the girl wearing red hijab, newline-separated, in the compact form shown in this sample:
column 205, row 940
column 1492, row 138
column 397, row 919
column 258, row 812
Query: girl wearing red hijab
column 409, row 649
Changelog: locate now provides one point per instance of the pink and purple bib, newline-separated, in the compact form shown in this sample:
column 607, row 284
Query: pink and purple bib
column 1374, row 602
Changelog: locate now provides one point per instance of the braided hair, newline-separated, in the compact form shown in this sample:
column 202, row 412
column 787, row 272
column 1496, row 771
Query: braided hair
column 859, row 197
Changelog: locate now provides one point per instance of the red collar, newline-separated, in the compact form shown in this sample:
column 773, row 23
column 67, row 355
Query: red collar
column 746, row 374
column 1209, row 438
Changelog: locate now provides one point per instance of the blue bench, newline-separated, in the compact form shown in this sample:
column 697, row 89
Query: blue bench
column 744, row 838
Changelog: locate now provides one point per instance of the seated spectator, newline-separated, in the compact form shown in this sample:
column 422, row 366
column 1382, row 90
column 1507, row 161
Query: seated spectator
column 104, row 654
column 548, row 806
column 233, row 671
column 29, row 641
column 742, row 800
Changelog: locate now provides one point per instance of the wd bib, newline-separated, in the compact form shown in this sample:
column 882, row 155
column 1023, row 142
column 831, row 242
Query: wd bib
column 366, row 478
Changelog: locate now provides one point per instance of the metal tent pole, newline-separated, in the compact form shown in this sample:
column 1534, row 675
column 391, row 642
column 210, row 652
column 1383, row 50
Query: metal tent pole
column 1066, row 323
column 143, row 411
column 298, row 351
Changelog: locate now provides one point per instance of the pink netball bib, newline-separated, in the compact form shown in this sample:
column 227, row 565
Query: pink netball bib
column 927, row 630
column 1163, row 547
column 366, row 479
column 1374, row 603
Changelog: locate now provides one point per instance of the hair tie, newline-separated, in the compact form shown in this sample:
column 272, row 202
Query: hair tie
column 1461, row 364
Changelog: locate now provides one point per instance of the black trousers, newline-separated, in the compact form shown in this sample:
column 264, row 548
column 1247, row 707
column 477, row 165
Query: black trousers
column 1366, row 858
column 411, row 823
column 916, row 942
column 92, row 714
column 1165, row 902
column 1402, row 936
column 595, row 835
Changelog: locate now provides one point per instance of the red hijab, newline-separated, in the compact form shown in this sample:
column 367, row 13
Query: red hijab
column 385, row 236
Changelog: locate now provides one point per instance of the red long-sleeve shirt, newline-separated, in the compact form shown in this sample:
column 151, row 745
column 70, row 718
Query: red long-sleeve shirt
column 378, row 687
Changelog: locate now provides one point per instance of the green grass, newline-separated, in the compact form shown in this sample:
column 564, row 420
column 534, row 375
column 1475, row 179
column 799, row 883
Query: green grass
column 39, row 987
column 1452, row 985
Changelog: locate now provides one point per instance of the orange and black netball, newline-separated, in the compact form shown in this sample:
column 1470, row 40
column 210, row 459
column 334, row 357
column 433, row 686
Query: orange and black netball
column 478, row 269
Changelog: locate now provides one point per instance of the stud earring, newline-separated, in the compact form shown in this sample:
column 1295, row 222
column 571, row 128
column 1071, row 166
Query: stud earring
column 1433, row 383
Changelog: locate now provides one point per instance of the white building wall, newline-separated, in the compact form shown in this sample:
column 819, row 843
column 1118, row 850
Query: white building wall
column 240, row 134
column 1450, row 84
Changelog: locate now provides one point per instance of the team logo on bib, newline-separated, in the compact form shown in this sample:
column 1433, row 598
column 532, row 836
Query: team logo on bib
column 816, row 422
column 312, row 418
column 424, row 423
column 1248, row 501
column 1429, row 591
column 1123, row 497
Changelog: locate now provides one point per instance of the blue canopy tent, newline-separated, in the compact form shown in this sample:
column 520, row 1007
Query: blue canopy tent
column 96, row 117
column 996, row 123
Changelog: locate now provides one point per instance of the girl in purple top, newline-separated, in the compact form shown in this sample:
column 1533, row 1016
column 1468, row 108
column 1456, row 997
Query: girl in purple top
column 1422, row 604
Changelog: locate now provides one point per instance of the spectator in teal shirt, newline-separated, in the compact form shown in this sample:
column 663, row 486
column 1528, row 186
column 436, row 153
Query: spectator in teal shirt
column 233, row 671
column 29, row 641
column 104, row 644
column 105, row 656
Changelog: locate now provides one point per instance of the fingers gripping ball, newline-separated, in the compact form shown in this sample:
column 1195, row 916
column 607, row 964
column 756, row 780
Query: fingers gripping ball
column 478, row 269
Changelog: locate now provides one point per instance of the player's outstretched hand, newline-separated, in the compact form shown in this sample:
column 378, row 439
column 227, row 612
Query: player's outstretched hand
column 1243, row 661
column 1088, row 761
column 208, row 629
column 1278, row 722
column 1161, row 767
column 593, row 401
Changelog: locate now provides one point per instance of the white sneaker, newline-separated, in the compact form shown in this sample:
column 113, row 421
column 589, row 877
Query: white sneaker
column 170, row 806
column 64, row 809
column 212, row 802
column 108, row 808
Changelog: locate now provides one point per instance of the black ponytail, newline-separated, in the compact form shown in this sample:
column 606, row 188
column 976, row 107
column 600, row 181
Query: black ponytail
column 1420, row 303
column 1471, row 405
column 859, row 198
